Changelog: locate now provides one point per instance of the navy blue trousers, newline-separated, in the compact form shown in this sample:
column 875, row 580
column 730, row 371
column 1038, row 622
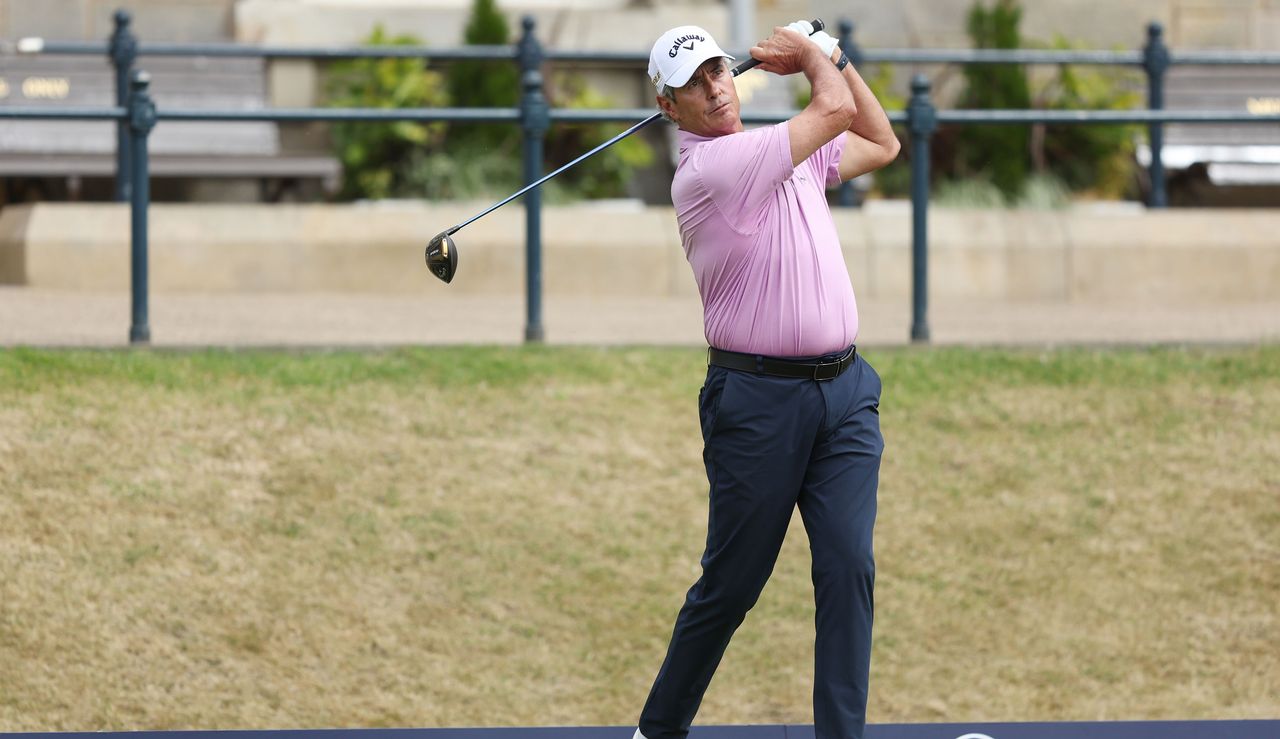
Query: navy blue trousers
column 772, row 444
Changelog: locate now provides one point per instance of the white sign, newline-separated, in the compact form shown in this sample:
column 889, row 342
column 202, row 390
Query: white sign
column 46, row 88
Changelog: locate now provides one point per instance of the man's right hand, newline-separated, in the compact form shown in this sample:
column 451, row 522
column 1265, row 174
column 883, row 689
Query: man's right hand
column 784, row 52
column 822, row 39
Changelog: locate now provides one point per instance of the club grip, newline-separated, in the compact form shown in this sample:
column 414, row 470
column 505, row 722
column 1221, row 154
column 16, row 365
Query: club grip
column 817, row 24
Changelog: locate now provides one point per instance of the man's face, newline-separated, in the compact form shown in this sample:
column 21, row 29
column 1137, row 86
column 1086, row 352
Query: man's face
column 708, row 104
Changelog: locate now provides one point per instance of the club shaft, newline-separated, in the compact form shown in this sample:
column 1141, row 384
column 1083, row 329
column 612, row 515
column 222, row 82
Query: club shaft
column 546, row 177
column 748, row 64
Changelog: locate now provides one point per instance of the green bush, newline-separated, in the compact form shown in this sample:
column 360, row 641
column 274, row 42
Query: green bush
column 478, row 159
column 604, row 175
column 475, row 169
column 1001, row 153
column 485, row 83
column 971, row 192
column 1044, row 192
column 487, row 159
column 1041, row 165
column 465, row 172
column 376, row 157
column 1089, row 158
column 432, row 161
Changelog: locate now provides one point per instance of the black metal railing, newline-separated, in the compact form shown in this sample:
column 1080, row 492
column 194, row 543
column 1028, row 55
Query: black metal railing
column 136, row 115
column 923, row 118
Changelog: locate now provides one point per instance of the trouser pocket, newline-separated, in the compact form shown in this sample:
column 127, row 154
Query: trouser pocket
column 710, row 399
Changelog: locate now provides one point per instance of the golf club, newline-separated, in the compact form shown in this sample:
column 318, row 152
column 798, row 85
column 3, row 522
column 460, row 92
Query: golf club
column 442, row 253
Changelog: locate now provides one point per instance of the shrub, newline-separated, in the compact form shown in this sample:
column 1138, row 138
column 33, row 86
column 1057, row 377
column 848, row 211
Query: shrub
column 374, row 155
column 487, row 159
column 604, row 175
column 485, row 83
column 1093, row 158
column 1065, row 158
column 382, row 160
column 1001, row 153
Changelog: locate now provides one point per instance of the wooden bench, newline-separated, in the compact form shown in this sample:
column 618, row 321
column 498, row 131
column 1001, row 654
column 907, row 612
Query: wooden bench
column 178, row 149
column 1224, row 154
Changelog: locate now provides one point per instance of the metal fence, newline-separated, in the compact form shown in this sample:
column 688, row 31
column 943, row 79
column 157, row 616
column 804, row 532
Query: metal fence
column 136, row 115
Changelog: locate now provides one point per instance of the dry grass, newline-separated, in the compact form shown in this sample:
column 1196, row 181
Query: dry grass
column 503, row 536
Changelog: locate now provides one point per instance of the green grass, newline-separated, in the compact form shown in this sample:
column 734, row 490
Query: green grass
column 502, row 536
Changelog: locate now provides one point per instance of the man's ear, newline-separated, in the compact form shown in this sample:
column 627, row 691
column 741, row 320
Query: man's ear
column 665, row 104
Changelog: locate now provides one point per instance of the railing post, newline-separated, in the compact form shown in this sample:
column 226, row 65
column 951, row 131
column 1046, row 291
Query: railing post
column 848, row 196
column 1155, row 59
column 535, row 118
column 922, row 121
column 123, row 51
column 142, row 118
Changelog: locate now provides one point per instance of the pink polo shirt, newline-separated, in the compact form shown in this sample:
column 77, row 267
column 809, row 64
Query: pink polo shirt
column 764, row 250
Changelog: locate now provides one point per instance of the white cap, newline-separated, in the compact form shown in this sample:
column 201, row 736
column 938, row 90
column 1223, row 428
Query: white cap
column 678, row 53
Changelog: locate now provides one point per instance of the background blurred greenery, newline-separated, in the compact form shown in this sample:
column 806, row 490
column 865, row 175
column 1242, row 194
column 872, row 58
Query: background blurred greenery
column 1040, row 166
column 456, row 161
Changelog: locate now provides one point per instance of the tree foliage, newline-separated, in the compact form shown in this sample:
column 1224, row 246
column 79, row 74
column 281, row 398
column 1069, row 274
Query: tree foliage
column 437, row 162
column 1023, row 163
column 1000, row 153
column 375, row 156
column 1097, row 159
column 485, row 83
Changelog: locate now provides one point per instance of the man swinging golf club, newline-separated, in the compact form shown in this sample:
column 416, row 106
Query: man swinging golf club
column 789, row 411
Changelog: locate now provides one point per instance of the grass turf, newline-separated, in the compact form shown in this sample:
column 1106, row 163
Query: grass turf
column 482, row 536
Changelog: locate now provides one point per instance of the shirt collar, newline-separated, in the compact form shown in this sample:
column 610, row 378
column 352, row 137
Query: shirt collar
column 688, row 140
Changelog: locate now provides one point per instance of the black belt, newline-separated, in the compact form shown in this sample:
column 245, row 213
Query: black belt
column 763, row 365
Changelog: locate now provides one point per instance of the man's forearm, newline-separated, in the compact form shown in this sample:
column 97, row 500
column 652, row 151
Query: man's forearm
column 828, row 87
column 870, row 123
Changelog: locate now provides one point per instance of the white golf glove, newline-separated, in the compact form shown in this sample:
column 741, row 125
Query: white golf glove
column 822, row 39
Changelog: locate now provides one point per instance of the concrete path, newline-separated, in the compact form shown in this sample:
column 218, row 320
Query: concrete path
column 40, row 317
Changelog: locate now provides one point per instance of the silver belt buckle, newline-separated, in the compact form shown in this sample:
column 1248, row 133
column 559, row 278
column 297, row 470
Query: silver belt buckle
column 833, row 367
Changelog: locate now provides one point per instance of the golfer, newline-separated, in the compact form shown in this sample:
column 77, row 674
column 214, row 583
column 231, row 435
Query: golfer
column 789, row 410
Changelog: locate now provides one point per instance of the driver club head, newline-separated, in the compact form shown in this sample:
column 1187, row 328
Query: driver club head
column 442, row 257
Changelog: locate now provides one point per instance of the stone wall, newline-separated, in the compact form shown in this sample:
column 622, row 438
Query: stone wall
column 1097, row 254
column 83, row 20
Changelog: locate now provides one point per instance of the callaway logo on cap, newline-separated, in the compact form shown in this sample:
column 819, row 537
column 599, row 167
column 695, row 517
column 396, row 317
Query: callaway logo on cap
column 678, row 53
